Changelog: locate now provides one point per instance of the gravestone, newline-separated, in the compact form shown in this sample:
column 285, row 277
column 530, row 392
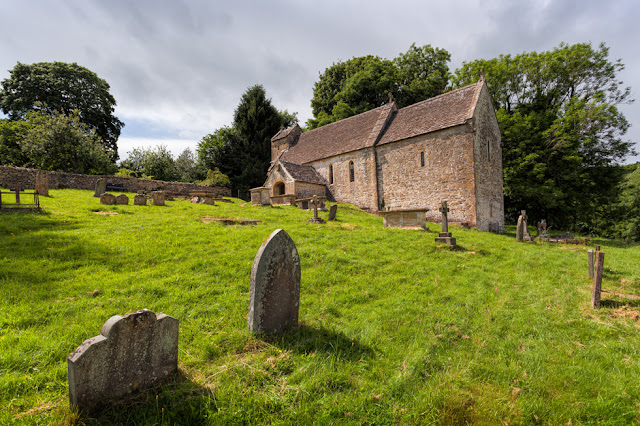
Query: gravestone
column 158, row 198
column 315, row 218
column 521, row 230
column 597, row 280
column 542, row 227
column 122, row 199
column 445, row 235
column 133, row 352
column 590, row 254
column 332, row 212
column 42, row 183
column 101, row 187
column 139, row 200
column 275, row 285
column 107, row 198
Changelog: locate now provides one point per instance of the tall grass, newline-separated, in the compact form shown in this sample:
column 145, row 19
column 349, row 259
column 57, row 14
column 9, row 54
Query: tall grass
column 393, row 327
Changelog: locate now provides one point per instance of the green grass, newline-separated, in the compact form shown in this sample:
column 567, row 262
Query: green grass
column 393, row 328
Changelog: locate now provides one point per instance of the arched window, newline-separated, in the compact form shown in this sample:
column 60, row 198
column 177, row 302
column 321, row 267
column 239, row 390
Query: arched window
column 422, row 159
column 330, row 174
column 488, row 150
column 352, row 174
column 279, row 188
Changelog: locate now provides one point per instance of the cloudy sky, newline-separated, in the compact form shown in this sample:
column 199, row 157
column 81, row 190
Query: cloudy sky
column 177, row 68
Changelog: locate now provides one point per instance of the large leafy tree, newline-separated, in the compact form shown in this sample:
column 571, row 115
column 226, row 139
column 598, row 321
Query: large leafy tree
column 51, row 87
column 243, row 151
column 561, row 128
column 153, row 163
column 363, row 83
column 62, row 143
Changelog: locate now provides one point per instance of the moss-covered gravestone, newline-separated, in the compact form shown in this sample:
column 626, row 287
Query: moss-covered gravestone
column 275, row 285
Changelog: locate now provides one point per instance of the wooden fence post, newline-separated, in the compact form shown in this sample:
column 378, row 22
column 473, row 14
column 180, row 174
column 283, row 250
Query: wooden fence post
column 597, row 280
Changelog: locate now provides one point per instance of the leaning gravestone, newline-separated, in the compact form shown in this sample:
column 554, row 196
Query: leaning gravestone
column 332, row 212
column 158, row 198
column 140, row 200
column 107, row 198
column 275, row 285
column 101, row 187
column 42, row 183
column 122, row 199
column 134, row 351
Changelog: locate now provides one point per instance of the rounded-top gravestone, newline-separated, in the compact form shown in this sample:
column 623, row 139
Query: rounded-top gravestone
column 275, row 285
column 122, row 199
column 107, row 198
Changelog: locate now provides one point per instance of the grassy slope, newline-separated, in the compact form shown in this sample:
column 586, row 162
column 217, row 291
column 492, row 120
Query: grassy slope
column 393, row 327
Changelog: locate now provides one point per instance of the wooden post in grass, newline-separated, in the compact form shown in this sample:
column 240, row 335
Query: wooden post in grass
column 590, row 251
column 597, row 280
column 18, row 195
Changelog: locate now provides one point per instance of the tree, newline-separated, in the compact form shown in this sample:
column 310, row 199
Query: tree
column 561, row 130
column 11, row 135
column 63, row 143
column 58, row 87
column 153, row 163
column 186, row 166
column 243, row 151
column 363, row 83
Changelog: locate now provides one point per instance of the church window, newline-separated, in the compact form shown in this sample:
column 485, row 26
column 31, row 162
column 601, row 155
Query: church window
column 422, row 159
column 331, row 174
column 352, row 175
column 488, row 150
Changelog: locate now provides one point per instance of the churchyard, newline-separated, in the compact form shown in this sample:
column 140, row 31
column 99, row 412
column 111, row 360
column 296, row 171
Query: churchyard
column 392, row 326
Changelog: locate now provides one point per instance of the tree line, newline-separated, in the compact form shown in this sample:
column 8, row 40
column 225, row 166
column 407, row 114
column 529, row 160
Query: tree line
column 562, row 130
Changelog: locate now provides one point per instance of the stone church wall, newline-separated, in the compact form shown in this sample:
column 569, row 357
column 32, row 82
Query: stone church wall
column 362, row 191
column 10, row 177
column 447, row 174
column 308, row 190
column 488, row 167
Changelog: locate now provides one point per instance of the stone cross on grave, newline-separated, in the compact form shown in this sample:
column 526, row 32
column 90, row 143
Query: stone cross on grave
column 445, row 222
column 315, row 219
column 445, row 235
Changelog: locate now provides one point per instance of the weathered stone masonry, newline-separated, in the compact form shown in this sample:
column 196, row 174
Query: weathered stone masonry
column 10, row 177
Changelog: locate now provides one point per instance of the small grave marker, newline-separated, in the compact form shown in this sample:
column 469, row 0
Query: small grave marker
column 122, row 199
column 597, row 280
column 42, row 183
column 315, row 218
column 332, row 211
column 158, row 198
column 107, row 198
column 275, row 285
column 445, row 235
column 134, row 351
column 140, row 200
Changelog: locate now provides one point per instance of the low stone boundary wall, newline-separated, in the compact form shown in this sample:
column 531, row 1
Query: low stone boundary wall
column 10, row 177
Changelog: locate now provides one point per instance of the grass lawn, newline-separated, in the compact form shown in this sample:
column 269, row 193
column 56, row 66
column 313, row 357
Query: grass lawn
column 393, row 328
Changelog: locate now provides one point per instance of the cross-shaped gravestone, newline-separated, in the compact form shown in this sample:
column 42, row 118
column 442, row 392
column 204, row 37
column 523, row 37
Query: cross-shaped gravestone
column 315, row 218
column 524, row 215
column 445, row 222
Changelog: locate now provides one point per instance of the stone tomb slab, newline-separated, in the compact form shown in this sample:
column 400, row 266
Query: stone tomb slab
column 408, row 219
column 275, row 285
column 133, row 352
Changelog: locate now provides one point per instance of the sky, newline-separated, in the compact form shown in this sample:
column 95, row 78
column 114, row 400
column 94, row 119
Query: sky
column 177, row 68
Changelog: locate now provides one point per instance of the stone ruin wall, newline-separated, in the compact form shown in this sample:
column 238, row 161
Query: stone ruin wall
column 447, row 174
column 362, row 191
column 10, row 177
column 488, row 166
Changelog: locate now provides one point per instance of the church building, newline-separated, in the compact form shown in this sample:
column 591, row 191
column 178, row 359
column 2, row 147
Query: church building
column 389, row 159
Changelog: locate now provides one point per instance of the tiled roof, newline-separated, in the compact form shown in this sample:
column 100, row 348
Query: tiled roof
column 336, row 138
column 383, row 125
column 283, row 133
column 449, row 109
column 303, row 173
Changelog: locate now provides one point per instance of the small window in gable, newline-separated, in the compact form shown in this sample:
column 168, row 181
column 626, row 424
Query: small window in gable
column 331, row 175
column 352, row 175
column 422, row 159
